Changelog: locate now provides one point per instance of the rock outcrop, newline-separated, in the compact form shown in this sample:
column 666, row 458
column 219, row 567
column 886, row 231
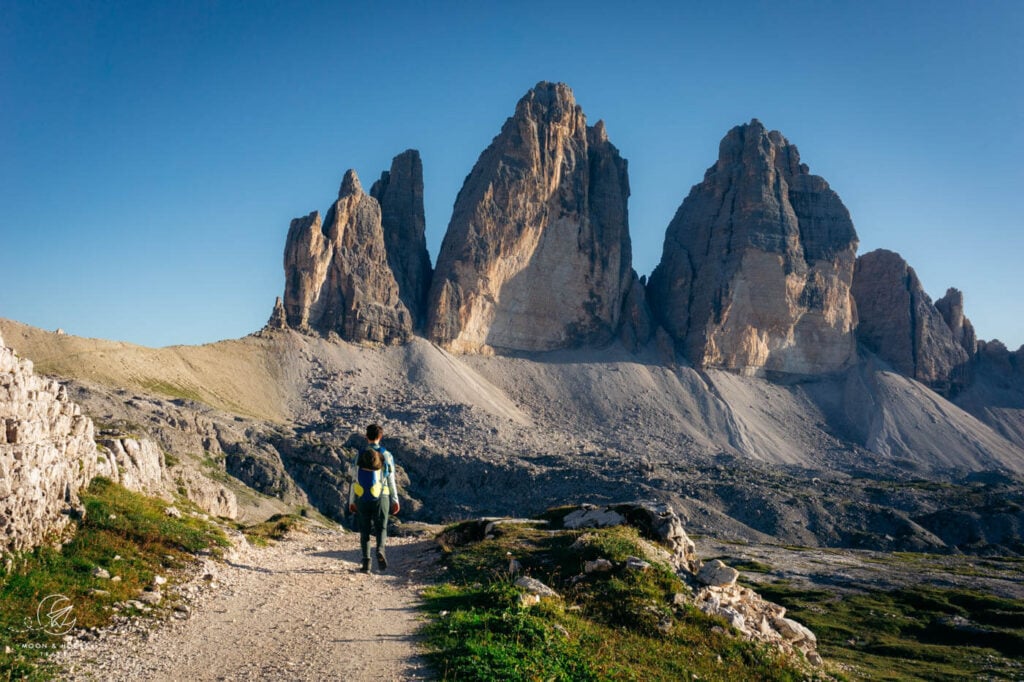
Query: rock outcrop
column 137, row 464
column 757, row 264
column 537, row 255
column 899, row 323
column 951, row 307
column 337, row 276
column 47, row 454
column 400, row 195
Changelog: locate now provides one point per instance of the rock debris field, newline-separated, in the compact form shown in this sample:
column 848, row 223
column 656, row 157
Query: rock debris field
column 297, row 610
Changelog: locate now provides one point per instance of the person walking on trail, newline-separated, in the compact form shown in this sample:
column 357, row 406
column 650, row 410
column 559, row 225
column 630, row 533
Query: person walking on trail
column 373, row 496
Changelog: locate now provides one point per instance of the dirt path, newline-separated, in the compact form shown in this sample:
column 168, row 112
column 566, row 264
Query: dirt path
column 298, row 610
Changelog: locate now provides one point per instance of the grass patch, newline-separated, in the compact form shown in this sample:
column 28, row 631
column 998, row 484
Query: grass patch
column 622, row 624
column 274, row 528
column 171, row 390
column 912, row 634
column 124, row 533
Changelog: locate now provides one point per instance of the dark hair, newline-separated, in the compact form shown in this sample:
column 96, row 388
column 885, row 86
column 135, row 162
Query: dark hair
column 370, row 459
column 373, row 432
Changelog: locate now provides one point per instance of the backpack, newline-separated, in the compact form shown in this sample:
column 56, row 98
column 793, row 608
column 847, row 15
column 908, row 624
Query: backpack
column 370, row 477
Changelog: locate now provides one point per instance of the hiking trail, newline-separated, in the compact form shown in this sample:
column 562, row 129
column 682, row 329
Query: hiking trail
column 297, row 610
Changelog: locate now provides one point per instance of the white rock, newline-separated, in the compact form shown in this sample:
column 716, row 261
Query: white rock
column 593, row 518
column 715, row 573
column 534, row 586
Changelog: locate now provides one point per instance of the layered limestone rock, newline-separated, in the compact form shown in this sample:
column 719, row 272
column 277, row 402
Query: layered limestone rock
column 47, row 454
column 208, row 495
column 537, row 255
column 757, row 264
column 337, row 276
column 400, row 195
column 137, row 464
column 899, row 323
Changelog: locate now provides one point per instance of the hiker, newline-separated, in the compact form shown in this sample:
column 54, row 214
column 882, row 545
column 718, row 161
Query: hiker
column 373, row 496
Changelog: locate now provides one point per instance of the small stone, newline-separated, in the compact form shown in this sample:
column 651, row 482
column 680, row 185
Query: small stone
column 116, row 579
column 636, row 564
column 173, row 512
column 101, row 573
column 159, row 580
column 151, row 597
column 597, row 566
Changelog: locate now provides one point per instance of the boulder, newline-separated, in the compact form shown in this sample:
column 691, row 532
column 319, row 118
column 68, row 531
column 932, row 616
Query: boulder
column 543, row 210
column 757, row 264
column 717, row 574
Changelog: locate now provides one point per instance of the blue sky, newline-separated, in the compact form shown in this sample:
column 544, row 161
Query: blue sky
column 152, row 154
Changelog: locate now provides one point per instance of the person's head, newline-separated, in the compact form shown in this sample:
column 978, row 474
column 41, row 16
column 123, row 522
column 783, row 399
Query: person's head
column 374, row 433
column 370, row 459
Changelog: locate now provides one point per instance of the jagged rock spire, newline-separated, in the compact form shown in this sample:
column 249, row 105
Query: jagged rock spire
column 337, row 276
column 537, row 255
column 757, row 264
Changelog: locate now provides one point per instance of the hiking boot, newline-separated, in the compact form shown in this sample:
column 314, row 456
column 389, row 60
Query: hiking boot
column 382, row 561
column 366, row 566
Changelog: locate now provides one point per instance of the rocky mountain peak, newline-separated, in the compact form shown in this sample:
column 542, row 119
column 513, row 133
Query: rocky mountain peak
column 757, row 264
column 350, row 185
column 951, row 307
column 399, row 191
column 899, row 323
column 543, row 210
column 337, row 275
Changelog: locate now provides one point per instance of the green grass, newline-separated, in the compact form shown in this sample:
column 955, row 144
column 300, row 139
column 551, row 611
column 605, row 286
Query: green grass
column 619, row 625
column 912, row 634
column 128, row 535
column 274, row 528
column 171, row 390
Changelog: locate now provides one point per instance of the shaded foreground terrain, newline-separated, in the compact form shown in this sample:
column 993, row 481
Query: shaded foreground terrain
column 866, row 459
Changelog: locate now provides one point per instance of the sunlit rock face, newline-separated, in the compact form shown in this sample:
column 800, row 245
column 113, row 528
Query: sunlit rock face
column 757, row 264
column 337, row 275
column 537, row 255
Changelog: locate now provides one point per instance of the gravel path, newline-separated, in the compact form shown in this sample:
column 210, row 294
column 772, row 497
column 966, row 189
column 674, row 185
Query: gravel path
column 298, row 610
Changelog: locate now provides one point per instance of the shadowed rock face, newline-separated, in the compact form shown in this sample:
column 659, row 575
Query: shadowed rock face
column 537, row 255
column 951, row 307
column 899, row 323
column 337, row 276
column 757, row 264
column 400, row 195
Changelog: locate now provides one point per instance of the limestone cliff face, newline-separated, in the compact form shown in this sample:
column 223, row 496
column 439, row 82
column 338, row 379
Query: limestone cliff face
column 757, row 264
column 47, row 454
column 537, row 255
column 400, row 195
column 900, row 324
column 337, row 276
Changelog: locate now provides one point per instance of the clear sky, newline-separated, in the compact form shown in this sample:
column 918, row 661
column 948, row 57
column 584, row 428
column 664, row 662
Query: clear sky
column 153, row 153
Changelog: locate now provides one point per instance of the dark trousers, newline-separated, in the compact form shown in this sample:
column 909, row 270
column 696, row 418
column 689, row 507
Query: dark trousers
column 372, row 516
